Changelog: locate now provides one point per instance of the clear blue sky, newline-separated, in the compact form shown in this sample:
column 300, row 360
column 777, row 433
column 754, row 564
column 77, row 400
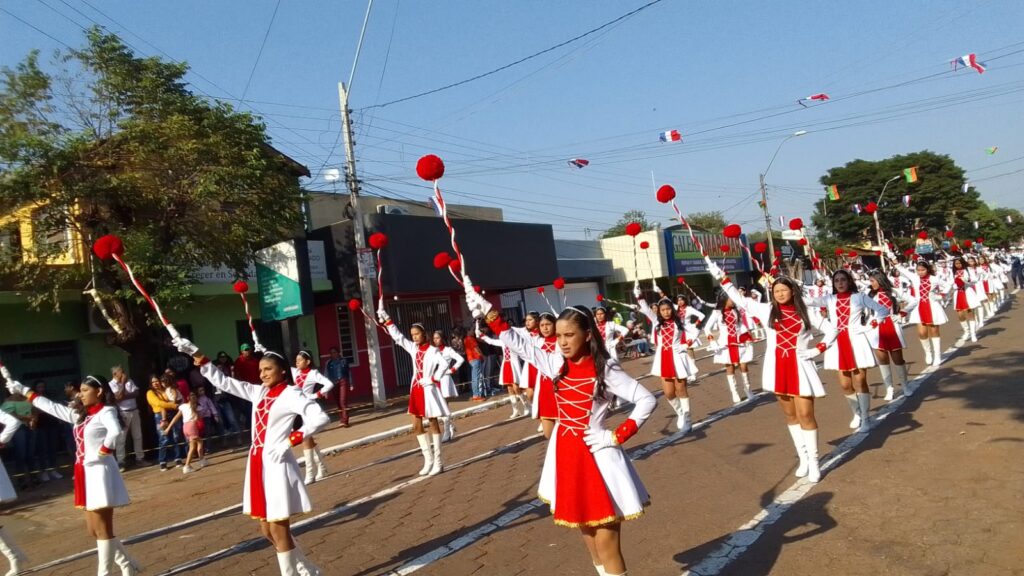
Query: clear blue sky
column 689, row 65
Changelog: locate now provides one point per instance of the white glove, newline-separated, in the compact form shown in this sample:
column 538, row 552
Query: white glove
column 383, row 316
column 714, row 348
column 15, row 387
column 599, row 439
column 5, row 372
column 259, row 348
column 714, row 270
column 185, row 346
column 479, row 334
column 425, row 382
column 478, row 305
column 808, row 354
column 636, row 290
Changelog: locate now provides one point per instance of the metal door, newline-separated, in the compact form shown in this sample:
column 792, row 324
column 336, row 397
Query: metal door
column 432, row 314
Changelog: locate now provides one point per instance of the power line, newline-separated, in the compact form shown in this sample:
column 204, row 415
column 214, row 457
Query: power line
column 260, row 53
column 32, row 26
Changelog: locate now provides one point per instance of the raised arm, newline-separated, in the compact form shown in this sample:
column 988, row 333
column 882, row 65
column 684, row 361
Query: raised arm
column 59, row 411
column 400, row 338
column 11, row 425
column 243, row 390
column 547, row 363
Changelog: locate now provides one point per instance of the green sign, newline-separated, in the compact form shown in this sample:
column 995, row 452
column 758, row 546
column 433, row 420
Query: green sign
column 280, row 278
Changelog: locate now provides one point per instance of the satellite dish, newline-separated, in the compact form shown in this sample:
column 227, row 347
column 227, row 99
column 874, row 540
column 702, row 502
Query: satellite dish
column 332, row 175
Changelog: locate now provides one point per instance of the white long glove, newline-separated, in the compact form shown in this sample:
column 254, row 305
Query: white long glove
column 15, row 387
column 808, row 354
column 185, row 346
column 5, row 372
column 259, row 348
column 714, row 270
column 599, row 439
column 636, row 290
column 382, row 316
column 478, row 305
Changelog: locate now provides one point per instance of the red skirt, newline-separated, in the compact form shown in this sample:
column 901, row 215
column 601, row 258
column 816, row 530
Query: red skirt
column 417, row 403
column 924, row 311
column 581, row 497
column 547, row 406
column 79, row 480
column 847, row 361
column 888, row 339
column 987, row 291
column 507, row 376
column 734, row 353
column 668, row 363
column 257, row 496
column 961, row 301
column 787, row 373
column 531, row 376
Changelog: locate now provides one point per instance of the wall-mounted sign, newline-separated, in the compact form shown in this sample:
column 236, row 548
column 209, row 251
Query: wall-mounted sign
column 284, row 284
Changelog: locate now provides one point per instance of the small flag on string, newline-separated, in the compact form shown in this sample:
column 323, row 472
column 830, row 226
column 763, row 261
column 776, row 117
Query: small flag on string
column 857, row 209
column 433, row 204
column 782, row 221
column 991, row 150
column 965, row 187
column 975, row 224
column 671, row 136
column 1009, row 219
column 906, row 200
column 968, row 61
column 833, row 192
column 910, row 174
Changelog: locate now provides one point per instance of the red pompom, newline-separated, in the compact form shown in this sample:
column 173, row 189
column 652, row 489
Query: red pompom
column 980, row 240
column 796, row 224
column 955, row 248
column 778, row 253
column 540, row 289
column 760, row 247
column 354, row 304
column 923, row 234
column 908, row 252
column 666, row 194
column 645, row 245
column 878, row 252
column 430, row 168
column 477, row 289
column 724, row 248
column 871, row 207
column 633, row 228
column 241, row 287
column 839, row 251
column 968, row 243
column 559, row 283
column 732, row 231
column 378, row 240
column 599, row 298
column 949, row 233
column 680, row 280
column 455, row 265
column 107, row 246
column 803, row 241
column 852, row 254
column 442, row 259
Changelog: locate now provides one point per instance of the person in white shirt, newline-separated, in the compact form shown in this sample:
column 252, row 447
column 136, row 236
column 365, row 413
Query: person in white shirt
column 125, row 393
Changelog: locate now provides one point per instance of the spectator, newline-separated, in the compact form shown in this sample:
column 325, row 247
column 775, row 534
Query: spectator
column 475, row 360
column 247, row 369
column 338, row 372
column 24, row 442
column 48, row 431
column 491, row 362
column 125, row 393
column 188, row 414
column 638, row 338
column 164, row 408
column 229, row 424
column 209, row 418
column 1017, row 272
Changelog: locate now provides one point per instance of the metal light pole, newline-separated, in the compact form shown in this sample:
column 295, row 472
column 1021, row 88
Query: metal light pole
column 764, row 190
column 878, row 225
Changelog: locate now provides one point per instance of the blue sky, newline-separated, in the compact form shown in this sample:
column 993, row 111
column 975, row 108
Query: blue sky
column 689, row 65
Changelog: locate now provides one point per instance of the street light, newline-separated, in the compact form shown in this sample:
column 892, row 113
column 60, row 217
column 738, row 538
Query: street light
column 878, row 225
column 764, row 190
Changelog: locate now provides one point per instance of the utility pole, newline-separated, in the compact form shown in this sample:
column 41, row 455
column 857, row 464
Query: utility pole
column 365, row 282
column 767, row 218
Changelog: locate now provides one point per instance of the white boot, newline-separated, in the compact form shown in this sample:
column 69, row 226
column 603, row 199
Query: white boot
column 321, row 467
column 745, row 378
column 965, row 326
column 673, row 403
column 527, row 406
column 979, row 316
column 864, row 405
column 811, row 447
column 427, row 451
column 937, row 347
column 13, row 554
column 104, row 557
column 310, row 467
column 798, row 443
column 129, row 566
column 973, row 326
column 303, row 567
column 445, row 429
column 286, row 563
column 851, row 399
column 515, row 407
column 899, row 372
column 449, row 428
column 436, row 467
column 886, row 371
column 683, row 422
column 927, row 345
column 731, row 380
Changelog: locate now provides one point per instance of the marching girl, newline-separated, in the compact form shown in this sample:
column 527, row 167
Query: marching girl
column 509, row 376
column 732, row 347
column 789, row 369
column 587, row 479
column 425, row 399
column 993, row 285
column 852, row 354
column 306, row 377
column 671, row 362
column 99, row 487
column 610, row 332
column 928, row 314
column 887, row 338
column 544, row 406
column 528, row 375
column 446, row 364
column 686, row 316
column 10, row 550
column 977, row 286
column 965, row 299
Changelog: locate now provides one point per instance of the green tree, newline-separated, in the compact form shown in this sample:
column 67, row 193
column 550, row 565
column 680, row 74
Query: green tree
column 936, row 199
column 113, row 143
column 708, row 221
column 638, row 216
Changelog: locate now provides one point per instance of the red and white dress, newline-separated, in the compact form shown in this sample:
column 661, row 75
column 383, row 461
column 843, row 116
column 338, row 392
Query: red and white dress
column 528, row 374
column 306, row 380
column 733, row 340
column 977, row 285
column 273, row 490
column 964, row 296
column 611, row 333
column 885, row 334
column 585, row 488
column 509, row 373
column 670, row 345
column 11, row 425
column 544, row 405
column 786, row 371
column 425, row 399
column 97, row 480
column 927, row 291
column 852, row 349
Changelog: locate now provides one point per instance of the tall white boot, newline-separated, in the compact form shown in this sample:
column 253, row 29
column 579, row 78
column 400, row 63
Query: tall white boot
column 731, row 381
column 899, row 372
column 745, row 378
column 286, row 563
column 937, row 347
column 446, row 428
column 979, row 315
column 798, row 443
column 129, row 566
column 310, row 467
column 973, row 326
column 886, row 371
column 104, row 557
column 673, row 403
column 436, row 467
column 927, row 345
column 303, row 567
column 427, row 451
column 13, row 554
column 514, row 401
column 811, row 447
column 600, row 570
column 683, row 422
column 851, row 400
column 864, row 405
column 321, row 466
column 965, row 326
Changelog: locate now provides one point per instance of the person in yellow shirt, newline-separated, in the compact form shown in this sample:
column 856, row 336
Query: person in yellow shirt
column 163, row 411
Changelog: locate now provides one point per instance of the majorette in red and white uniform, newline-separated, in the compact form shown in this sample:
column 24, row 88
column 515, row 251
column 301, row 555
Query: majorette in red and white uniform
column 445, row 363
column 306, row 380
column 964, row 295
column 884, row 333
column 544, row 405
column 425, row 399
column 7, row 546
column 585, row 488
column 852, row 349
column 733, row 342
column 611, row 333
column 510, row 375
column 670, row 345
column 927, row 292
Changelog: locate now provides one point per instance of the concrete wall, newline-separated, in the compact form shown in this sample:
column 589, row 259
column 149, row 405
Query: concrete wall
column 326, row 209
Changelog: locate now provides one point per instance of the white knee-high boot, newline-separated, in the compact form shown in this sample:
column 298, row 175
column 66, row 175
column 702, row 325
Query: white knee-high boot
column 745, row 378
column 13, row 554
column 937, row 347
column 899, row 374
column 310, row 466
column 798, row 443
column 303, row 567
column 890, row 390
column 436, row 467
column 321, row 466
column 683, row 422
column 811, row 447
column 104, row 557
column 864, row 407
column 926, row 344
column 730, row 380
column 129, row 566
column 965, row 326
column 427, row 451
column 972, row 325
column 851, row 400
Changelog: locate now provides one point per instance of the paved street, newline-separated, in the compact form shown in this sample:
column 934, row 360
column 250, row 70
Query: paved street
column 935, row 488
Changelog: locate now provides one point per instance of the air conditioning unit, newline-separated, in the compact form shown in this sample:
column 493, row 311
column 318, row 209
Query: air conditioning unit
column 392, row 209
column 95, row 318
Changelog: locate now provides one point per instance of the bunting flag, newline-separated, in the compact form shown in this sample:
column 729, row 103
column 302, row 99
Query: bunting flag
column 910, row 174
column 857, row 209
column 975, row 224
column 965, row 187
column 833, row 192
column 782, row 221
column 991, row 150
column 433, row 204
column 968, row 61
column 1009, row 219
column 906, row 200
column 671, row 136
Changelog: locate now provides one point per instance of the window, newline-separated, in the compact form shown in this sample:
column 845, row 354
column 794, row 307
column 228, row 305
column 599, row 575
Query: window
column 52, row 362
column 10, row 243
column 52, row 235
column 347, row 336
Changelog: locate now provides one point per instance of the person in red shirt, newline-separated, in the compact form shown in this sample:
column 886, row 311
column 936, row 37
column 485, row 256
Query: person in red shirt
column 247, row 366
column 476, row 361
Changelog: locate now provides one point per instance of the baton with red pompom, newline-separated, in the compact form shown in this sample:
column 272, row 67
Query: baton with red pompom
column 241, row 287
column 110, row 247
column 667, row 195
column 377, row 241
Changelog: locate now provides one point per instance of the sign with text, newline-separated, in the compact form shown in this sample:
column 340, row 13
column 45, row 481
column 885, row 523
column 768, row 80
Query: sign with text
column 685, row 258
column 284, row 284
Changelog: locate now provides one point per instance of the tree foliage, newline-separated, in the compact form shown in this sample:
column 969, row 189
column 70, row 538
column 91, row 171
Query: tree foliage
column 712, row 221
column 638, row 216
column 113, row 143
